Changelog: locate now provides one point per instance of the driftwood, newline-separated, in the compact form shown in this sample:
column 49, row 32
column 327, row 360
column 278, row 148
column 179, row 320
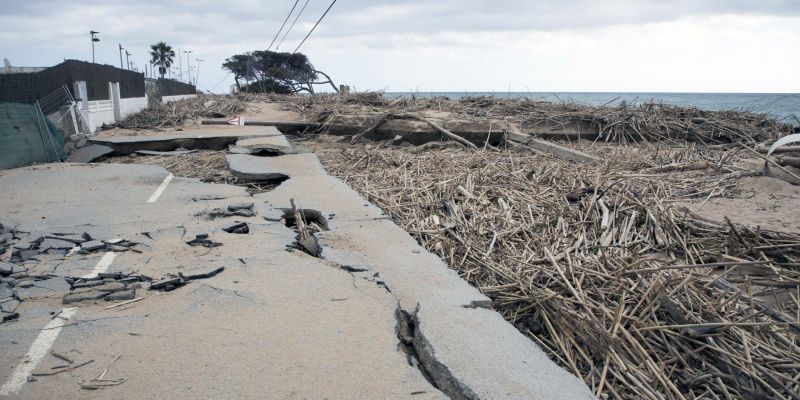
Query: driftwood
column 434, row 125
column 581, row 259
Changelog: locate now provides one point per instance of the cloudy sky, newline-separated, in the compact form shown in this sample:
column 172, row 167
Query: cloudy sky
column 443, row 45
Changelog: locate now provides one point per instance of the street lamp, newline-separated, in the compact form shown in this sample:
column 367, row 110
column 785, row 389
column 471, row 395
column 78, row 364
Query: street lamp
column 94, row 39
column 188, row 63
column 120, row 57
column 128, row 59
column 197, row 73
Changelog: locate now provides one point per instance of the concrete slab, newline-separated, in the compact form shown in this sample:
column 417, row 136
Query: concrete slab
column 89, row 153
column 208, row 139
column 253, row 168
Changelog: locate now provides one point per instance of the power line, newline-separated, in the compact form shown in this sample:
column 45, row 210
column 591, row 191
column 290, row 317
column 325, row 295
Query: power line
column 292, row 25
column 315, row 26
column 282, row 25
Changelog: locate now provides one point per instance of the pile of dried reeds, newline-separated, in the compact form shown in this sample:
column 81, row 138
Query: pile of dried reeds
column 647, row 121
column 635, row 295
column 178, row 112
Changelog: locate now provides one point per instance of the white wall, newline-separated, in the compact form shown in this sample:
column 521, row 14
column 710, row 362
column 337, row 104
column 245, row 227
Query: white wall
column 167, row 99
column 102, row 111
column 132, row 105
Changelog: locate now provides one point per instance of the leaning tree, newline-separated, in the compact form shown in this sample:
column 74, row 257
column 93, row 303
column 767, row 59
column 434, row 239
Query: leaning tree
column 161, row 54
column 270, row 71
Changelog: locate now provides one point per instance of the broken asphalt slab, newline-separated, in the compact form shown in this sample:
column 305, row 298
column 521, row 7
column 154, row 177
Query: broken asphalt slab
column 89, row 153
column 200, row 139
column 253, row 168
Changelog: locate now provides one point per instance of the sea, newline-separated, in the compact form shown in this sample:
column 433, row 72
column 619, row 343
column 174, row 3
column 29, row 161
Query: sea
column 784, row 107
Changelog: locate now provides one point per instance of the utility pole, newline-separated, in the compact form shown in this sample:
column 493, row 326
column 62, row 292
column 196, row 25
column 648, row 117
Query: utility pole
column 120, row 57
column 197, row 73
column 94, row 39
column 128, row 58
column 180, row 66
column 187, row 64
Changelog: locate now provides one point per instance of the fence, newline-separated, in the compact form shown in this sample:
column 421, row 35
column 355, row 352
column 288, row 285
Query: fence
column 168, row 87
column 29, row 87
column 27, row 136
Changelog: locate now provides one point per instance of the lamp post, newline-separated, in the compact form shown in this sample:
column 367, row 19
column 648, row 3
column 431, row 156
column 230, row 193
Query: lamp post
column 120, row 57
column 197, row 73
column 128, row 58
column 188, row 63
column 94, row 39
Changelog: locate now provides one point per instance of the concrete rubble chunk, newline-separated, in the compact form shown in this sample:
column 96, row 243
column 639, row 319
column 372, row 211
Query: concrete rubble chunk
column 110, row 287
column 26, row 255
column 5, row 291
column 9, row 316
column 6, row 269
column 236, row 227
column 93, row 245
column 24, row 284
column 240, row 206
column 86, row 284
column 9, row 305
column 83, row 296
column 48, row 244
column 121, row 295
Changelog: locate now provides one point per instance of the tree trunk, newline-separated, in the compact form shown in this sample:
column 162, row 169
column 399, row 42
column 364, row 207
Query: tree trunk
column 335, row 89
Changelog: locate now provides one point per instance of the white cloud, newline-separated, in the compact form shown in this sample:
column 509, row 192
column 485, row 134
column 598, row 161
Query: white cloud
column 470, row 45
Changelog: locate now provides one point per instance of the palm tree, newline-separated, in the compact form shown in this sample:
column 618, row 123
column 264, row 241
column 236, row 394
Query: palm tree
column 161, row 54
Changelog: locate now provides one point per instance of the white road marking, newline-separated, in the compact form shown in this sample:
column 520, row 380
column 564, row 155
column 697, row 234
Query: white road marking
column 160, row 189
column 38, row 350
column 102, row 265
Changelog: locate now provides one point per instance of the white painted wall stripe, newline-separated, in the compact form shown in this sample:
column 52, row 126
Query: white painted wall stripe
column 160, row 189
column 102, row 265
column 38, row 350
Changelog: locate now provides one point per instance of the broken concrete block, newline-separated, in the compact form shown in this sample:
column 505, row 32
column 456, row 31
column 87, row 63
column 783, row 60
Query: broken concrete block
column 83, row 296
column 5, row 291
column 6, row 269
column 86, row 284
column 23, row 284
column 55, row 283
column 244, row 213
column 26, row 255
column 48, row 244
column 19, row 274
column 9, row 305
column 9, row 316
column 93, row 245
column 121, row 295
column 237, row 227
column 240, row 206
column 111, row 287
column 203, row 240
